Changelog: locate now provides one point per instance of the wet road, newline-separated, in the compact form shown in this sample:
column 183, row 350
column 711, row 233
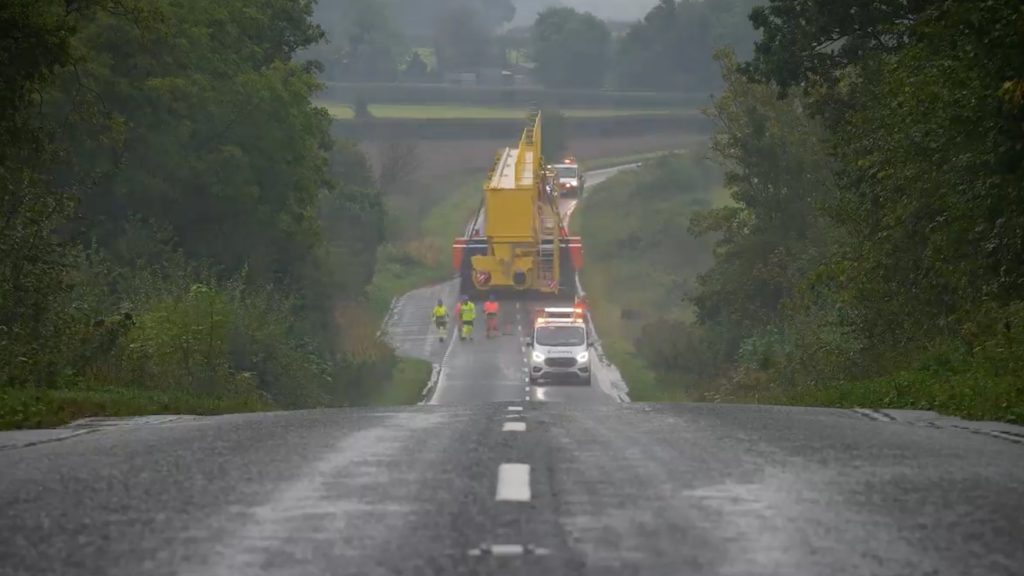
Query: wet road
column 489, row 477
column 518, row 488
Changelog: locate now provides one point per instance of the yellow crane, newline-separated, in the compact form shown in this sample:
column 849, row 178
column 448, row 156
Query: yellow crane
column 519, row 241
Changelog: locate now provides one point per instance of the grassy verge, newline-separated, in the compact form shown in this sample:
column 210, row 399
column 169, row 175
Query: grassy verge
column 44, row 408
column 971, row 394
column 28, row 408
column 341, row 111
column 408, row 379
column 641, row 260
column 423, row 257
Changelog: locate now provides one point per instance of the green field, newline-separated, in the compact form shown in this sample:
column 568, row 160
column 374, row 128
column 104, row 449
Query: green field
column 457, row 112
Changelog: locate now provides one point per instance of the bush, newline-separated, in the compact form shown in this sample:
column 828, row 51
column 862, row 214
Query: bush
column 209, row 339
column 177, row 329
column 361, row 108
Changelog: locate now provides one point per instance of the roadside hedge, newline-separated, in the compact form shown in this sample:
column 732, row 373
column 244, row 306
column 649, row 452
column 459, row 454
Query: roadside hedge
column 450, row 94
column 481, row 128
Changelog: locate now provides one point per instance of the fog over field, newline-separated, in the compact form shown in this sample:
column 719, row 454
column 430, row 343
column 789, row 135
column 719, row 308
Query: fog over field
column 526, row 10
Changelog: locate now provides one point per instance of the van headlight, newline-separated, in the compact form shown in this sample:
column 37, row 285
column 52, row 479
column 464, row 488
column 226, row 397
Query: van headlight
column 583, row 357
column 538, row 357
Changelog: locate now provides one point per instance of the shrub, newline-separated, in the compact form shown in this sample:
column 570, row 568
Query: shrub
column 361, row 108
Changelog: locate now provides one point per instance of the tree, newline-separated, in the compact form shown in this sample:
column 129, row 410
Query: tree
column 363, row 43
column 34, row 259
column 933, row 158
column 399, row 160
column 571, row 49
column 415, row 67
column 420, row 17
column 817, row 40
column 165, row 156
column 462, row 42
column 773, row 237
column 556, row 137
column 877, row 231
column 673, row 47
column 209, row 120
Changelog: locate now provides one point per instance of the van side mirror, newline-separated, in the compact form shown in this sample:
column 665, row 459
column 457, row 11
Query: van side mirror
column 529, row 342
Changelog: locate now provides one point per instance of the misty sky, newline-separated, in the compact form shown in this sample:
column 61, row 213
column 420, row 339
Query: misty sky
column 526, row 10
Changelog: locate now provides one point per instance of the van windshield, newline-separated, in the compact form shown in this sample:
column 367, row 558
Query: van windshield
column 566, row 171
column 559, row 336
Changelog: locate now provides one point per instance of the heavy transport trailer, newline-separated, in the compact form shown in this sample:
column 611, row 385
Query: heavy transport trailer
column 522, row 279
column 519, row 244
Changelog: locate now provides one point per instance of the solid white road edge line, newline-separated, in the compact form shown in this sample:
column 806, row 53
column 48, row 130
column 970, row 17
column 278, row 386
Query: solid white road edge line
column 432, row 400
column 513, row 483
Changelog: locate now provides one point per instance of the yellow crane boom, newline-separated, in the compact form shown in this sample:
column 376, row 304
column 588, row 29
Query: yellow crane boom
column 522, row 244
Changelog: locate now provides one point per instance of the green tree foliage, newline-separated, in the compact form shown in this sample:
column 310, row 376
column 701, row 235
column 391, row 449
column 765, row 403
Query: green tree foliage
column 874, row 252
column 416, row 67
column 211, row 108
column 419, row 18
column 934, row 163
column 818, row 40
column 174, row 211
column 368, row 40
column 571, row 49
column 771, row 236
column 32, row 258
column 672, row 47
column 556, row 135
column 462, row 40
column 362, row 44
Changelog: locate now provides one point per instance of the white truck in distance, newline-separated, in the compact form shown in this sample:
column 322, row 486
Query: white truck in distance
column 567, row 178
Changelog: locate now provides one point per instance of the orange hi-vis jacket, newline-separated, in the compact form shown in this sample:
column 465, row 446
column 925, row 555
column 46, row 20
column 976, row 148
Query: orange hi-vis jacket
column 490, row 307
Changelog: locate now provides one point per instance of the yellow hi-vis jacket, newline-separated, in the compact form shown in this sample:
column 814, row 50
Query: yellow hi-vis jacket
column 468, row 312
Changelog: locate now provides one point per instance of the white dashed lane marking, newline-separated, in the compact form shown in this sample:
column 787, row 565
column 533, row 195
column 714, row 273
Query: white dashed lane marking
column 508, row 550
column 513, row 483
column 515, row 408
column 514, row 427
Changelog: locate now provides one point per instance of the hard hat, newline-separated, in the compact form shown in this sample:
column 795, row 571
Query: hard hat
column 465, row 298
column 440, row 302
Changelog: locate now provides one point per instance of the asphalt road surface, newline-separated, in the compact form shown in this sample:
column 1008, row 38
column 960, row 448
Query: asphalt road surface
column 517, row 488
column 488, row 477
